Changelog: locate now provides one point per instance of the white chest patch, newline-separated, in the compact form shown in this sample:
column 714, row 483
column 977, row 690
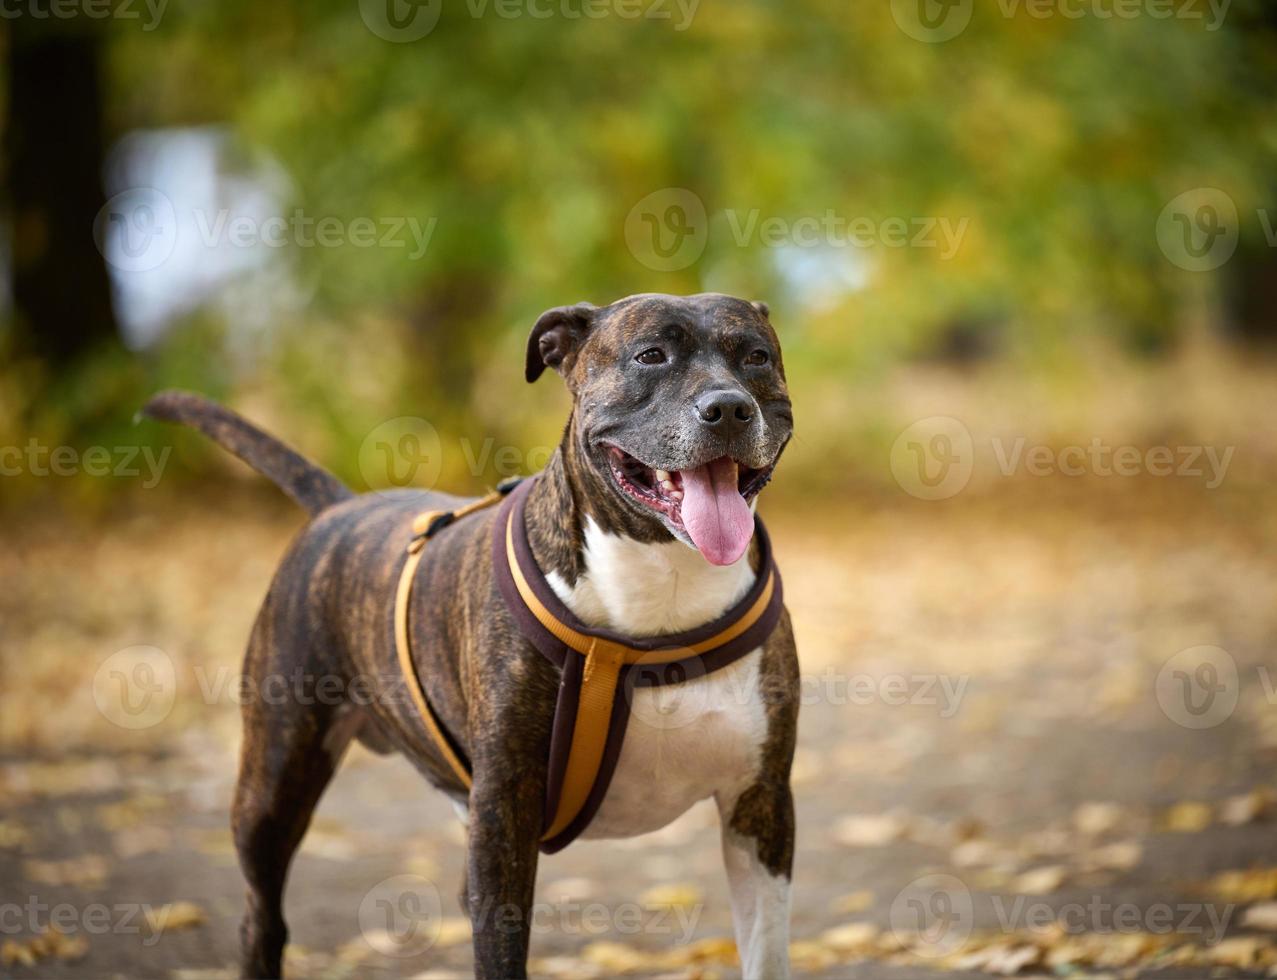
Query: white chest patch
column 685, row 742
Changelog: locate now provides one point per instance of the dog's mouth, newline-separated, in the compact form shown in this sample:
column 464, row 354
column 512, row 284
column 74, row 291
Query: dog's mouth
column 708, row 503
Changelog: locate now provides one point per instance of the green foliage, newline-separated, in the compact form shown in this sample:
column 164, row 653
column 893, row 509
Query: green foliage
column 1057, row 139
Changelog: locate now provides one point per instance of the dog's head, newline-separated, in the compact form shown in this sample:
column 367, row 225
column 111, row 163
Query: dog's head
column 681, row 408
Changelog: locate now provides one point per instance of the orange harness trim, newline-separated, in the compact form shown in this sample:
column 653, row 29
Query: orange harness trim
column 424, row 525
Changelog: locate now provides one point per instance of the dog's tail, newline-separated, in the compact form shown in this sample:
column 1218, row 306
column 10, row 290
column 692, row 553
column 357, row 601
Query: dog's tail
column 311, row 486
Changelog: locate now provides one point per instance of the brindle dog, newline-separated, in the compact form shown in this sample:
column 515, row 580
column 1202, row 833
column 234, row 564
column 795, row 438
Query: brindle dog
column 680, row 412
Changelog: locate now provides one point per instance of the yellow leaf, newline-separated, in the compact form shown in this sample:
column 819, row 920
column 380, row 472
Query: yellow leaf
column 856, row 901
column 870, row 830
column 1040, row 881
column 174, row 916
column 672, row 896
column 850, row 937
column 1187, row 818
column 1096, row 818
column 1262, row 916
column 453, row 930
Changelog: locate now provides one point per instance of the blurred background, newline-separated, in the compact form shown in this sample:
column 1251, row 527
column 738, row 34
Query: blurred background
column 1021, row 255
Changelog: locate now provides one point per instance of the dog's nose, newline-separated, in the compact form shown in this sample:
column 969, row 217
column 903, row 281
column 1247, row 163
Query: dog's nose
column 726, row 411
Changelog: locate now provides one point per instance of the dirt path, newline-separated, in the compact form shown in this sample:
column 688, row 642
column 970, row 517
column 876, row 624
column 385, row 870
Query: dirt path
column 985, row 746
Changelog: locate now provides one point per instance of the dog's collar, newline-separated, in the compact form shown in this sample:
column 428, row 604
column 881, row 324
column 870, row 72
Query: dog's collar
column 600, row 668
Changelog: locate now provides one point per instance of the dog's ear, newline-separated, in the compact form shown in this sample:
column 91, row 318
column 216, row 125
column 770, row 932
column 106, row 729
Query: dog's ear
column 557, row 337
column 762, row 308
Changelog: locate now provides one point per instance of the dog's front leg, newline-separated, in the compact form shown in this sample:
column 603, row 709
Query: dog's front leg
column 758, row 847
column 506, row 803
column 506, row 806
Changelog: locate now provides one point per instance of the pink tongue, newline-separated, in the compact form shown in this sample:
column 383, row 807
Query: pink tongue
column 715, row 514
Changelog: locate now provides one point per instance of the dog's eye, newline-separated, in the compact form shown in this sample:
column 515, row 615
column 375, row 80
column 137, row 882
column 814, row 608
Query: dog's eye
column 757, row 357
column 653, row 355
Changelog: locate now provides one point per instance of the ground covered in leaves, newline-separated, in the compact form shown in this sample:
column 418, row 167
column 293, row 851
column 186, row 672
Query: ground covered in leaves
column 1038, row 731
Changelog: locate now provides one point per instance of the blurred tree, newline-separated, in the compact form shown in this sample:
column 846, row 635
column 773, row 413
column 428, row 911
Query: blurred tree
column 525, row 135
column 54, row 149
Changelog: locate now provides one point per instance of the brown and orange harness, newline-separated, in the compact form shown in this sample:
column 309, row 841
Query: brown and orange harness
column 599, row 668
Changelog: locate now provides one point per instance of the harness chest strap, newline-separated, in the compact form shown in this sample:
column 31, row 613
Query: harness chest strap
column 596, row 665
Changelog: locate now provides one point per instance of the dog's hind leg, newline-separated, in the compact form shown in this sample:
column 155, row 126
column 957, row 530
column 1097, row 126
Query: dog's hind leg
column 292, row 744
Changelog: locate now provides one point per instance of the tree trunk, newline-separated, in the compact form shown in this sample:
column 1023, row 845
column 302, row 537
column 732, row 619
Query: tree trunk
column 54, row 149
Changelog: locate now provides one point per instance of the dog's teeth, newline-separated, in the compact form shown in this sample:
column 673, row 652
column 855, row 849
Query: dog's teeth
column 676, row 495
column 662, row 477
column 667, row 483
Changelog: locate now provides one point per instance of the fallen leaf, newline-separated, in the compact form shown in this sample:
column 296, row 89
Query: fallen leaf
column 1040, row 881
column 1011, row 960
column 50, row 944
column 142, row 840
column 1248, row 807
column 453, row 930
column 570, row 890
column 850, row 937
column 672, row 896
column 1237, row 951
column 1262, row 916
column 1250, row 885
column 975, row 853
column 811, row 957
column 174, row 916
column 614, row 956
column 88, row 871
column 715, row 950
column 1095, row 818
column 13, row 835
column 856, row 901
column 870, row 830
column 1121, row 856
column 1187, row 818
